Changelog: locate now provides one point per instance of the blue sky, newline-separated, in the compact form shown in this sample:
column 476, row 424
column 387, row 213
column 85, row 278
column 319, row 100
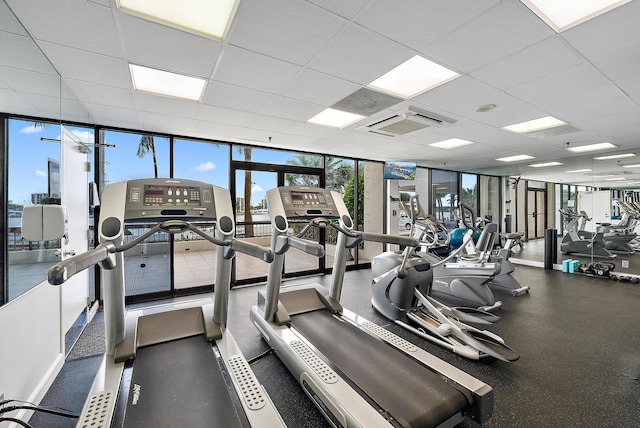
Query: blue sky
column 28, row 160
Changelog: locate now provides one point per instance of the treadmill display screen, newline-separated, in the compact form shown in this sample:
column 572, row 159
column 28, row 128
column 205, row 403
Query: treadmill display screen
column 308, row 199
column 162, row 195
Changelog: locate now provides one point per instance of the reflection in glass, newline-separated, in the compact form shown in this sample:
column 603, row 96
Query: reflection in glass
column 128, row 156
column 445, row 197
column 31, row 175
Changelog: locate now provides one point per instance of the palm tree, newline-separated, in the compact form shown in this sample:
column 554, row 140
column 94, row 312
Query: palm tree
column 248, row 219
column 146, row 145
column 338, row 173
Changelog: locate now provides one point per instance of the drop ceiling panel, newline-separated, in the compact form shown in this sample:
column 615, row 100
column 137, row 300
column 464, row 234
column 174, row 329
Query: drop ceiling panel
column 414, row 22
column 319, row 88
column 287, row 108
column 113, row 116
column 234, row 97
column 101, row 94
column 291, row 31
column 500, row 31
column 542, row 59
column 609, row 32
column 619, row 64
column 165, row 123
column 79, row 24
column 30, row 82
column 254, row 71
column 346, row 9
column 359, row 55
column 151, row 103
column 88, row 66
column 21, row 53
column 158, row 46
column 270, row 123
column 223, row 115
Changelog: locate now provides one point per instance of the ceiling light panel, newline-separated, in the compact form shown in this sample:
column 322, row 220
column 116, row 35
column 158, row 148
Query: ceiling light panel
column 515, row 158
column 203, row 17
column 164, row 83
column 562, row 15
column 335, row 118
column 534, row 125
column 451, row 143
column 635, row 165
column 580, row 170
column 615, row 179
column 591, row 147
column 545, row 164
column 413, row 77
column 623, row 155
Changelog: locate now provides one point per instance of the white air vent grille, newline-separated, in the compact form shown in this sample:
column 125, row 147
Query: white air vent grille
column 406, row 122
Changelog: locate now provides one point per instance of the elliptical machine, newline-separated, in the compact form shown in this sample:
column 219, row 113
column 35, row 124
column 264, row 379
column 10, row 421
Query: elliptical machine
column 401, row 293
column 455, row 279
column 503, row 279
column 573, row 243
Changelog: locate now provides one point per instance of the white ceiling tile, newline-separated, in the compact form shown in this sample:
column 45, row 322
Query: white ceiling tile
column 414, row 22
column 234, row 97
column 100, row 94
column 88, row 66
column 21, row 53
column 359, row 55
column 79, row 24
column 346, row 9
column 290, row 109
column 292, row 31
column 223, row 115
column 500, row 31
column 270, row 123
column 141, row 39
column 545, row 58
column 252, row 70
column 151, row 103
column 313, row 86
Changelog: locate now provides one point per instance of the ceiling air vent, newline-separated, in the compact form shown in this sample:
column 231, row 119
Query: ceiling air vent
column 406, row 122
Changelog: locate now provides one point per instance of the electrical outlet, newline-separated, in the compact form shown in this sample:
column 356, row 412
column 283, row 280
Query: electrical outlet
column 625, row 263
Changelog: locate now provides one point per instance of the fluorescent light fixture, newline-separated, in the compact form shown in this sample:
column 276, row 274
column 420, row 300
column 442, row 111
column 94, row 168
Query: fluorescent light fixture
column 209, row 18
column 535, row 125
column 164, row 83
column 452, row 143
column 602, row 176
column 542, row 165
column 635, row 165
column 624, row 155
column 591, row 147
column 515, row 158
column 335, row 118
column 580, row 170
column 615, row 179
column 413, row 77
column 562, row 15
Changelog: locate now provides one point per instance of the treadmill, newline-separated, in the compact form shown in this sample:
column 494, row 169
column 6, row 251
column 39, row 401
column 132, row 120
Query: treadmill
column 357, row 373
column 174, row 364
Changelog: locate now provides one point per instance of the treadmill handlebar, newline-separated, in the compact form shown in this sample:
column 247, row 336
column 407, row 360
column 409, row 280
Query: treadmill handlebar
column 284, row 242
column 64, row 270
column 252, row 249
column 389, row 239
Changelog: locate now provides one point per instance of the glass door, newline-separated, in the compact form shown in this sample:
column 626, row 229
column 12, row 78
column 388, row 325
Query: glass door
column 250, row 185
column 536, row 216
column 252, row 219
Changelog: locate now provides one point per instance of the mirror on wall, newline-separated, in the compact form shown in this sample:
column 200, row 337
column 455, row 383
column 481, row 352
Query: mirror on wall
column 36, row 105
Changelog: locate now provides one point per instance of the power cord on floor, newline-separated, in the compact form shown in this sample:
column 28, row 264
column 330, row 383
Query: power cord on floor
column 260, row 356
column 25, row 405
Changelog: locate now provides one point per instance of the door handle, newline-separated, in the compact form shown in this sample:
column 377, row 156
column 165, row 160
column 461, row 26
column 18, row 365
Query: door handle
column 66, row 253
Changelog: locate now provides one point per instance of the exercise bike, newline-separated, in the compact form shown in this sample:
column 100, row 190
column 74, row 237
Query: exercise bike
column 401, row 293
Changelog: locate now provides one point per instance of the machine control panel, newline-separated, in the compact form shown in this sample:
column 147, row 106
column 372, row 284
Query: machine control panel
column 305, row 202
column 159, row 198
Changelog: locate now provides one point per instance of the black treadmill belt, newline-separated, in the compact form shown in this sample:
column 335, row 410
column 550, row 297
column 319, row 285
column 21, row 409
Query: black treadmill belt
column 179, row 384
column 400, row 385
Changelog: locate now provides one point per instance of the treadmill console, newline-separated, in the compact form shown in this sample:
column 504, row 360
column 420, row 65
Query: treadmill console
column 300, row 202
column 169, row 198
